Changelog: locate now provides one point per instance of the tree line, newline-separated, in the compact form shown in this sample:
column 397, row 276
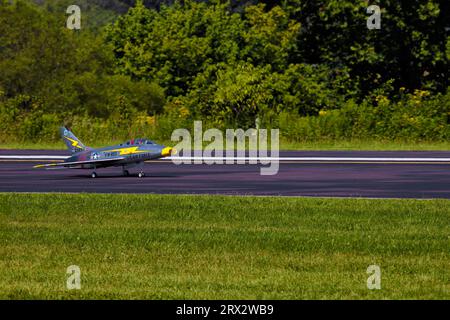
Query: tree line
column 311, row 68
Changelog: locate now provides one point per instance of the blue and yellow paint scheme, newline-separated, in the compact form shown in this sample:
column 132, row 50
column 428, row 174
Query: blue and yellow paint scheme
column 126, row 155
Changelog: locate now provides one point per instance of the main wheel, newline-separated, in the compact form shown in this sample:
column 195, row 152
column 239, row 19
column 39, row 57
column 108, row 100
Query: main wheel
column 141, row 174
column 93, row 175
column 126, row 173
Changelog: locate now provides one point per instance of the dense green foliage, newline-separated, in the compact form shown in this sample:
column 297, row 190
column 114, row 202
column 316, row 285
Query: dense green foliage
column 49, row 73
column 312, row 69
column 186, row 247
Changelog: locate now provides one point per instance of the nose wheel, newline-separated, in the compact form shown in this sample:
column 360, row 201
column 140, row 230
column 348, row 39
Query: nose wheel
column 141, row 173
column 94, row 175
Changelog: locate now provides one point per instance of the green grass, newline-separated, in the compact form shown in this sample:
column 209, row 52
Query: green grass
column 376, row 145
column 218, row 247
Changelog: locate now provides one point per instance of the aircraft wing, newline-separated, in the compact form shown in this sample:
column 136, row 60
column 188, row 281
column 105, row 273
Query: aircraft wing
column 109, row 161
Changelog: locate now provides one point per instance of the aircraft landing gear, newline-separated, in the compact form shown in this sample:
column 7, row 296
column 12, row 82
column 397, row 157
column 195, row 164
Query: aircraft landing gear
column 139, row 165
column 94, row 174
column 141, row 173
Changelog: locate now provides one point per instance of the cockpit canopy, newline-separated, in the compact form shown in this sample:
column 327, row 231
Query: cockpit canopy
column 139, row 141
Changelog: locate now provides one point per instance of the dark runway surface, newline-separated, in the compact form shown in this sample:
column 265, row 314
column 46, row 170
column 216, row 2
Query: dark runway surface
column 295, row 178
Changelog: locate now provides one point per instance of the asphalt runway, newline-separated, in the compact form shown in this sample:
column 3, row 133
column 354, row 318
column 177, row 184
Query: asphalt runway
column 341, row 174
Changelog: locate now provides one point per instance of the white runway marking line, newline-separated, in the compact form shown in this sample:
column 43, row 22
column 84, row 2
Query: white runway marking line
column 331, row 159
column 36, row 157
column 261, row 159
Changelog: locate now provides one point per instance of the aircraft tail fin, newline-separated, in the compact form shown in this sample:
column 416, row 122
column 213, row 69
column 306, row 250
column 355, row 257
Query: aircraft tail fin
column 72, row 142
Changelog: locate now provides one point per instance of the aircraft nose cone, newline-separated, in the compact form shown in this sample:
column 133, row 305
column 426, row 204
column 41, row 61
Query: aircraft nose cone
column 167, row 151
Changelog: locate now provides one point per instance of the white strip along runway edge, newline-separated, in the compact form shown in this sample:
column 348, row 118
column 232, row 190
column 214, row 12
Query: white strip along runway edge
column 263, row 159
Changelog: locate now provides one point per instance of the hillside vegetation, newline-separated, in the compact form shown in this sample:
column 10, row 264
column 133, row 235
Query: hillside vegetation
column 312, row 69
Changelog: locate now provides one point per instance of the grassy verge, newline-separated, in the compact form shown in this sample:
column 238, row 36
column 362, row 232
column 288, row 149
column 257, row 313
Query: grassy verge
column 376, row 145
column 216, row 247
column 368, row 145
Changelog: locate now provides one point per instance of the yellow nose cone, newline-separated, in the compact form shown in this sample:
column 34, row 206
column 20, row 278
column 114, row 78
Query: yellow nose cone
column 167, row 151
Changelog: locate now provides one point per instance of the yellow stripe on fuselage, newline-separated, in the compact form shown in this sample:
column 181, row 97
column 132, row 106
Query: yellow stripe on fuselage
column 126, row 151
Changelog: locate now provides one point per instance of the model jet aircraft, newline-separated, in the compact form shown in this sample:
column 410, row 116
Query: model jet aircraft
column 126, row 155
